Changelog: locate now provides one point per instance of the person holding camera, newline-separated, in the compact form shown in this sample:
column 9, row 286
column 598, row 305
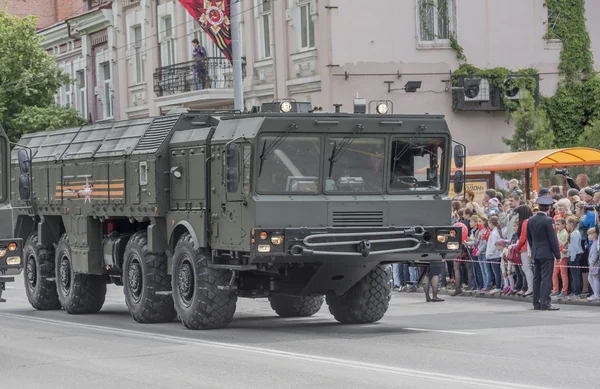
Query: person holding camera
column 581, row 181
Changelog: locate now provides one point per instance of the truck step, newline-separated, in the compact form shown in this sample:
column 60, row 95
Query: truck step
column 7, row 279
column 51, row 279
column 163, row 293
column 232, row 267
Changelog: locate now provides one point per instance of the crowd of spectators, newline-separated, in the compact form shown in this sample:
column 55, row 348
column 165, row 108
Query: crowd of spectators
column 496, row 227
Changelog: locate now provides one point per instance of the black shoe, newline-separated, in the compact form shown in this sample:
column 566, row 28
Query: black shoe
column 536, row 308
column 551, row 308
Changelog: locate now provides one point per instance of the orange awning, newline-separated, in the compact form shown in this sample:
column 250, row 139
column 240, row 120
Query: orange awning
column 575, row 156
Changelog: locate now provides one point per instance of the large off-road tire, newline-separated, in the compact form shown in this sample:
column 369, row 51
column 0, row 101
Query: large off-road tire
column 39, row 266
column 144, row 274
column 77, row 293
column 202, row 297
column 365, row 302
column 295, row 306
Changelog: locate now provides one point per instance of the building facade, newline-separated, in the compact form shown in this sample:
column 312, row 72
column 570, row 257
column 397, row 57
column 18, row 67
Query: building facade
column 137, row 56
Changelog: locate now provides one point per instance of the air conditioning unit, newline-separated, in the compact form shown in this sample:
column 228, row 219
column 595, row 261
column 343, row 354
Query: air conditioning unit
column 512, row 93
column 476, row 89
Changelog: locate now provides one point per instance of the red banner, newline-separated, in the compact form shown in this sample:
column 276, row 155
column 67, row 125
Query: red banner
column 214, row 18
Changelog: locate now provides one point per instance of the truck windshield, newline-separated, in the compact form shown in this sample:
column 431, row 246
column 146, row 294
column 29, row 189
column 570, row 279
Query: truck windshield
column 417, row 164
column 355, row 165
column 292, row 166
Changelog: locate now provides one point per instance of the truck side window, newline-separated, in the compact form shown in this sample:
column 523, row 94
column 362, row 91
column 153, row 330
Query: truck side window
column 247, row 158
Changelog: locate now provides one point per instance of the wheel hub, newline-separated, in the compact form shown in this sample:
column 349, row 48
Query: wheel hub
column 135, row 279
column 185, row 284
column 65, row 275
column 31, row 271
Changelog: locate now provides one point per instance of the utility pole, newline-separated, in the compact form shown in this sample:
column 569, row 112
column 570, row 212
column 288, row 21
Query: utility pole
column 236, row 46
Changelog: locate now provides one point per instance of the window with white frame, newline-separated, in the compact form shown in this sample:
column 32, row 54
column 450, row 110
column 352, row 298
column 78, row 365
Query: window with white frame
column 168, row 43
column 553, row 16
column 307, row 26
column 265, row 32
column 436, row 21
column 137, row 45
column 80, row 88
column 106, row 80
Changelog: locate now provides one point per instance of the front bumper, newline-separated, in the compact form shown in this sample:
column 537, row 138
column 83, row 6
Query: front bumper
column 379, row 244
column 11, row 262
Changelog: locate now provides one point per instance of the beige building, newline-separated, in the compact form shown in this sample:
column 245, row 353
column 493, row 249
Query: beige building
column 326, row 52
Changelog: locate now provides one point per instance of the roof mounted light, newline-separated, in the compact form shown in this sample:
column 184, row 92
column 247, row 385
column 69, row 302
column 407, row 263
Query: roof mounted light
column 285, row 106
column 382, row 108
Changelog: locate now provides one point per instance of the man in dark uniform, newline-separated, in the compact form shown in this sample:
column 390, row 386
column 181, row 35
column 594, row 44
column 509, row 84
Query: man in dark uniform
column 544, row 250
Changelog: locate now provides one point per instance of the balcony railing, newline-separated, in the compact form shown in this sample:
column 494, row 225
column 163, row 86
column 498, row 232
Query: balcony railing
column 209, row 73
column 96, row 3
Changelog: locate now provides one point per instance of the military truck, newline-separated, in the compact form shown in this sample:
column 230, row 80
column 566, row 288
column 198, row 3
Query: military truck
column 190, row 211
column 10, row 248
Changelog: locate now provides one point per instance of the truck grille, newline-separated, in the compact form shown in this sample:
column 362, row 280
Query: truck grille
column 357, row 218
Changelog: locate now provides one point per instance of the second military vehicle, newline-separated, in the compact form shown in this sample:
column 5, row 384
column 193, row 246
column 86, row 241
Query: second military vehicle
column 192, row 210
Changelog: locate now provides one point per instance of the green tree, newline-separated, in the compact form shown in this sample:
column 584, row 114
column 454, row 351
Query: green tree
column 591, row 135
column 532, row 128
column 34, row 119
column 29, row 77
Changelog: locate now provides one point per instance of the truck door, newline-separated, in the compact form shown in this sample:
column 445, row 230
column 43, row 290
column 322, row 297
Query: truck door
column 6, row 227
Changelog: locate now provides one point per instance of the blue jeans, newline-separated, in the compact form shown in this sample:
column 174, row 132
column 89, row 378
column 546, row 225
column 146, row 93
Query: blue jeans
column 576, row 280
column 486, row 271
column 400, row 271
column 477, row 277
column 497, row 272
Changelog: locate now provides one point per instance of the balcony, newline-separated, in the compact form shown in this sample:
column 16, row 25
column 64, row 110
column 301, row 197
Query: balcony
column 178, row 85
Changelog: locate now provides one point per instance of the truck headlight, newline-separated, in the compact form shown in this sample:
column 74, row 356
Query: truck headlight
column 442, row 238
column 382, row 108
column 453, row 245
column 2, row 252
column 286, row 106
column 264, row 248
column 13, row 260
column 277, row 240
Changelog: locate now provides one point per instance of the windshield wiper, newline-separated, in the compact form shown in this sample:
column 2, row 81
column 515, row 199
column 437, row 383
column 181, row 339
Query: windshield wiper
column 337, row 150
column 409, row 144
column 267, row 151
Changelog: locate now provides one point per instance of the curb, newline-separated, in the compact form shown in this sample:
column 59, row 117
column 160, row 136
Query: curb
column 528, row 299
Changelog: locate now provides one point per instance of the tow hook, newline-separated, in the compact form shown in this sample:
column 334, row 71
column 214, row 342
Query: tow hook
column 364, row 247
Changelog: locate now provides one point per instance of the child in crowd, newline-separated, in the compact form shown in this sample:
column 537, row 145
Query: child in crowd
column 575, row 253
column 493, row 254
column 594, row 263
column 505, row 266
column 486, row 269
column 560, row 266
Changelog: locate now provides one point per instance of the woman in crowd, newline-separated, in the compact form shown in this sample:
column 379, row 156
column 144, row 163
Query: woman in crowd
column 524, row 213
column 594, row 263
column 563, row 209
column 560, row 266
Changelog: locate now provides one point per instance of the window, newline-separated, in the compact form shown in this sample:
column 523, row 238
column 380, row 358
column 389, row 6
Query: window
column 108, row 103
column 289, row 165
column 247, row 155
column 354, row 164
column 168, row 44
column 265, row 26
column 307, row 27
column 81, row 100
column 553, row 16
column 68, row 96
column 417, row 165
column 435, row 21
column 139, row 65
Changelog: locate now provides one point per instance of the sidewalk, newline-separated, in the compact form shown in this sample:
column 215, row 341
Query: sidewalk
column 529, row 299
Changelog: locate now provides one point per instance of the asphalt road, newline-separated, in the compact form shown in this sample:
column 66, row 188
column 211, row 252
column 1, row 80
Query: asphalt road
column 461, row 343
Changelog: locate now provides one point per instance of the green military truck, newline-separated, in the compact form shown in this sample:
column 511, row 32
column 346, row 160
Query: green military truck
column 11, row 263
column 190, row 211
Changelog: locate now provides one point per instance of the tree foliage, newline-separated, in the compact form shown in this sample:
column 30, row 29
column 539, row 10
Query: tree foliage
column 531, row 128
column 29, row 77
column 52, row 117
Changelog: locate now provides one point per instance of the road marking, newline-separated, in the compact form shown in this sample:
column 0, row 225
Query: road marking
column 443, row 331
column 418, row 374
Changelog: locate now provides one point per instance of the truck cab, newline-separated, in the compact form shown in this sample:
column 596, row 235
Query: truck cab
column 11, row 263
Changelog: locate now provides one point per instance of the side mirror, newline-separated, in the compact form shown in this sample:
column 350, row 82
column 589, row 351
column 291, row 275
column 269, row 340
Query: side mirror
column 24, row 187
column 459, row 156
column 232, row 180
column 232, row 155
column 24, row 161
column 459, row 181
